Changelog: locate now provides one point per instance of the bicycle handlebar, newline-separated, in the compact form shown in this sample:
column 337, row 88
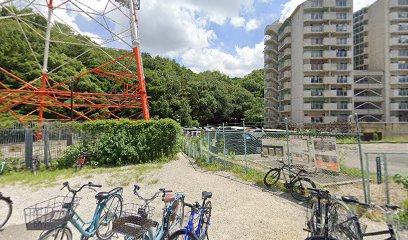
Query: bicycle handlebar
column 90, row 185
column 147, row 200
column 320, row 192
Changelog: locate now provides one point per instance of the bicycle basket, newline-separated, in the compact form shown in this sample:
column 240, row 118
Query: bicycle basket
column 133, row 221
column 51, row 213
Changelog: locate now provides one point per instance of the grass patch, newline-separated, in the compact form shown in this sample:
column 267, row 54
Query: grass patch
column 391, row 140
column 45, row 177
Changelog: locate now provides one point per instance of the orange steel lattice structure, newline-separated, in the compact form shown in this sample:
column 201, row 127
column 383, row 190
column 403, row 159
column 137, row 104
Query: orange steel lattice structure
column 46, row 97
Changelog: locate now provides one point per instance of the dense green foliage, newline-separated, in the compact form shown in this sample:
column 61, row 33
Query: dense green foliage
column 124, row 142
column 176, row 92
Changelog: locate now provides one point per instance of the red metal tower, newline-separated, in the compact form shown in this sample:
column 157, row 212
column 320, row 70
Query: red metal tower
column 45, row 96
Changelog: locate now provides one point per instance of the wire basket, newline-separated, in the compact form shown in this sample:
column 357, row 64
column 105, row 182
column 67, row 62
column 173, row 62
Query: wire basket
column 134, row 220
column 51, row 213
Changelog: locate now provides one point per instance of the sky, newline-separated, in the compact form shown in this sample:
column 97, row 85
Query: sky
column 223, row 35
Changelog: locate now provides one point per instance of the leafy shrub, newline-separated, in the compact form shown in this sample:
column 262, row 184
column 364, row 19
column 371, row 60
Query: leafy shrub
column 124, row 142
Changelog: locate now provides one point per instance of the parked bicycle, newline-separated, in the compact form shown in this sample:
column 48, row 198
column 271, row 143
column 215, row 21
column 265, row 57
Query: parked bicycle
column 6, row 208
column 135, row 222
column 53, row 215
column 348, row 225
column 318, row 222
column 82, row 160
column 199, row 220
column 3, row 166
column 296, row 182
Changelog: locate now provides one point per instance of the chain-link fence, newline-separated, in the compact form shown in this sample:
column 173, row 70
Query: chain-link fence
column 20, row 145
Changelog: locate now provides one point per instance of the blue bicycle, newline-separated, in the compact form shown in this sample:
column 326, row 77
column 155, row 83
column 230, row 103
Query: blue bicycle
column 136, row 224
column 53, row 215
column 199, row 220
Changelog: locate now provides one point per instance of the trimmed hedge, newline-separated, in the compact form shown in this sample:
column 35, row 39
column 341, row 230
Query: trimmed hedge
column 123, row 142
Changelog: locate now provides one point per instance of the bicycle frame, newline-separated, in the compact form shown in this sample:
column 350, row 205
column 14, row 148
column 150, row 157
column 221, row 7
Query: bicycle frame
column 291, row 176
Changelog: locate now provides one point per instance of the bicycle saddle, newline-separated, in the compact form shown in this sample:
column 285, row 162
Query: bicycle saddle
column 169, row 197
column 392, row 207
column 102, row 196
column 206, row 194
column 350, row 199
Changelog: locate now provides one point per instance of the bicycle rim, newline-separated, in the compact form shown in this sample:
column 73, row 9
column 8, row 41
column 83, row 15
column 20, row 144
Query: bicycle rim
column 272, row 177
column 182, row 234
column 61, row 233
column 111, row 211
column 299, row 189
column 176, row 218
column 6, row 209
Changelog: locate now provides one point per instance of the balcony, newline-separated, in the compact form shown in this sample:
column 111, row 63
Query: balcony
column 397, row 17
column 396, row 80
column 370, row 111
column 286, row 97
column 360, row 98
column 285, row 86
column 396, row 54
column 338, row 93
column 271, row 76
column 395, row 93
column 270, row 59
column 325, row 80
column 326, row 4
column 286, row 31
column 395, row 28
column 395, row 41
column 273, row 49
column 329, row 119
column 368, row 86
column 399, row 106
column 269, row 30
column 286, row 108
column 315, row 29
column 286, row 43
column 396, row 4
column 286, row 75
column 400, row 67
column 285, row 65
column 325, row 67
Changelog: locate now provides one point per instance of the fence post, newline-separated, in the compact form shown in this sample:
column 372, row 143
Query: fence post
column 288, row 145
column 387, row 187
column 245, row 147
column 28, row 142
column 46, row 148
column 208, row 143
column 367, row 182
column 223, row 137
column 360, row 151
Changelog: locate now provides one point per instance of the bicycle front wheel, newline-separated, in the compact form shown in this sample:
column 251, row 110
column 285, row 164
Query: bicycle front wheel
column 60, row 233
column 6, row 208
column 182, row 234
column 176, row 217
column 299, row 190
column 342, row 223
column 111, row 212
column 272, row 177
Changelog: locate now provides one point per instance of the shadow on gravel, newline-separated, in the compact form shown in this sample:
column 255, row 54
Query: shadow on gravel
column 272, row 191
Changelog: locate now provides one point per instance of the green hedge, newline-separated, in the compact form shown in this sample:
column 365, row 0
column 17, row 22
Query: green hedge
column 123, row 142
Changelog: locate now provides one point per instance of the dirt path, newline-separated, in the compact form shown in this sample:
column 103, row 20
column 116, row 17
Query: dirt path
column 240, row 210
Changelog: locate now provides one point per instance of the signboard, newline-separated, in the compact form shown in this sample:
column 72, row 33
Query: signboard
column 299, row 148
column 326, row 154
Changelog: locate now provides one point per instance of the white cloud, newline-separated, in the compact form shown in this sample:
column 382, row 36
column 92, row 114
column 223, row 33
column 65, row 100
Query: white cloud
column 237, row 21
column 242, row 62
column 291, row 5
column 252, row 25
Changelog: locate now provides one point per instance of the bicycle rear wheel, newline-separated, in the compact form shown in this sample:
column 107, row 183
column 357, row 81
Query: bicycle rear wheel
column 111, row 212
column 272, row 177
column 182, row 234
column 60, row 233
column 205, row 221
column 342, row 223
column 176, row 218
column 6, row 208
column 299, row 190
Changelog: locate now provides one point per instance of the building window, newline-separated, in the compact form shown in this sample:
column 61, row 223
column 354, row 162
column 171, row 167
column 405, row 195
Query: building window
column 342, row 66
column 341, row 53
column 317, row 15
column 317, row 53
column 402, row 2
column 341, row 15
column 402, row 26
column 317, row 28
column 341, row 28
column 341, row 93
column 341, row 40
column 402, row 65
column 403, row 105
column 341, row 3
column 317, row 66
column 316, row 79
column 316, row 92
column 317, row 3
column 317, row 105
column 342, row 79
column 317, row 119
column 403, row 92
column 402, row 53
column 402, row 14
column 317, row 41
column 403, row 79
column 342, row 105
column 403, row 39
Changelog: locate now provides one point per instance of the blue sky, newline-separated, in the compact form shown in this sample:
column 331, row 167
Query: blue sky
column 223, row 35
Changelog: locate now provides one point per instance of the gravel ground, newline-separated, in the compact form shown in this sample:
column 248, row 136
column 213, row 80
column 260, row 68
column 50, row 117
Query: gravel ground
column 240, row 210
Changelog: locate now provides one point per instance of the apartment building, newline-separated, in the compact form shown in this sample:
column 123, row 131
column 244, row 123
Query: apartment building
column 381, row 58
column 314, row 64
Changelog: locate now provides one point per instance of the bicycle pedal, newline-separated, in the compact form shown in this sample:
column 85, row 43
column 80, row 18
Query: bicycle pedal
column 306, row 230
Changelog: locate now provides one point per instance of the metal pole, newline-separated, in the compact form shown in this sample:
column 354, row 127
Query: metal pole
column 46, row 148
column 360, row 151
column 288, row 145
column 367, row 182
column 223, row 136
column 245, row 148
column 72, row 100
column 208, row 143
column 387, row 188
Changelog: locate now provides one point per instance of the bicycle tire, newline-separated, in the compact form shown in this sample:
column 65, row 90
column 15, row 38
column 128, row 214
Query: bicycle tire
column 272, row 177
column 176, row 219
column 9, row 211
column 182, row 233
column 300, row 192
column 341, row 222
column 54, row 234
column 320, row 238
column 205, row 221
column 112, row 216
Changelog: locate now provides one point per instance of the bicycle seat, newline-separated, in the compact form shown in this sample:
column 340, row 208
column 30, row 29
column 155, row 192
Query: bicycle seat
column 350, row 199
column 169, row 197
column 102, row 196
column 206, row 194
column 392, row 207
